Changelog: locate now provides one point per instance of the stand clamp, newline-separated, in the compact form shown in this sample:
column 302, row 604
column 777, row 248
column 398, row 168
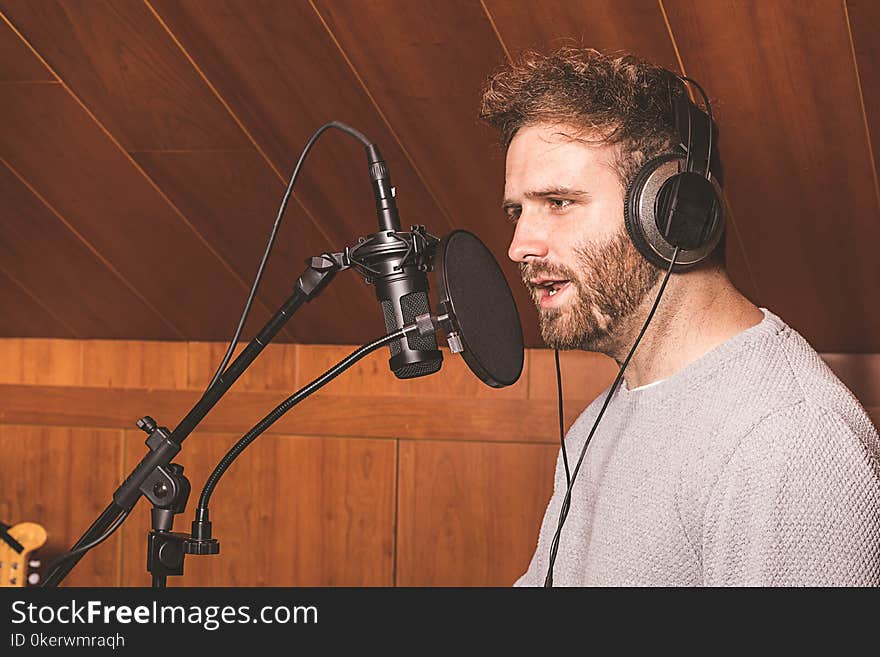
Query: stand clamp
column 167, row 488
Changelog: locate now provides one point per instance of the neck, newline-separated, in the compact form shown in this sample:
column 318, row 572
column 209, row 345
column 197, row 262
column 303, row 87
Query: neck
column 700, row 310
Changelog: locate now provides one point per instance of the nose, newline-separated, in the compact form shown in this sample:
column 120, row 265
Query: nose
column 529, row 242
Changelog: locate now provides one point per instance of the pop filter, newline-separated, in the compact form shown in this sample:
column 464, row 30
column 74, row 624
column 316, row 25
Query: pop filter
column 474, row 294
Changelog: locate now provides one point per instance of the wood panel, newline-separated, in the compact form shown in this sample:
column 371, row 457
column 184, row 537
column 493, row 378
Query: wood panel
column 232, row 198
column 30, row 318
column 17, row 62
column 274, row 368
column 282, row 75
column 425, row 65
column 121, row 63
column 50, row 475
column 134, row 364
column 320, row 415
column 861, row 374
column 41, row 362
column 81, row 173
column 864, row 20
column 33, row 235
column 633, row 26
column 372, row 376
column 584, row 374
column 292, row 511
column 470, row 513
column 796, row 158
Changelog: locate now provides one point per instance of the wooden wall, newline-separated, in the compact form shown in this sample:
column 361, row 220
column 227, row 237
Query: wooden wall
column 170, row 127
column 371, row 482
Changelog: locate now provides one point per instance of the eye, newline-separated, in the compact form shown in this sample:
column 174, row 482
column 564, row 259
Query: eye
column 512, row 213
column 559, row 203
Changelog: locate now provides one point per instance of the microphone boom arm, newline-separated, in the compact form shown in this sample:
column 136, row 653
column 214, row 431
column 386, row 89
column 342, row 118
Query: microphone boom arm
column 151, row 476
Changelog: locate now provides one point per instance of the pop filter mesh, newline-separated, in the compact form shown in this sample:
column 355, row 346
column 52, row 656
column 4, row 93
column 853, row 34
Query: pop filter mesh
column 484, row 309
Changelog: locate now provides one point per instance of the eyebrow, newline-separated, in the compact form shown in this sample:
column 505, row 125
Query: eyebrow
column 544, row 193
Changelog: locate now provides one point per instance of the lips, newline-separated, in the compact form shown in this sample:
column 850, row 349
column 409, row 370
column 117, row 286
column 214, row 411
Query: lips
column 551, row 290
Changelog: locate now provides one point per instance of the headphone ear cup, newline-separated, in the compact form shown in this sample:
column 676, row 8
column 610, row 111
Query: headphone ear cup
column 634, row 218
column 652, row 183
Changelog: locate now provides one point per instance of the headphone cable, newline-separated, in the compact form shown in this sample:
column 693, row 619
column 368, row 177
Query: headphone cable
column 561, row 421
column 566, row 502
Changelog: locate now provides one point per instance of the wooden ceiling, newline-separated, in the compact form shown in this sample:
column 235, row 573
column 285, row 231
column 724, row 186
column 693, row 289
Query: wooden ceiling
column 146, row 144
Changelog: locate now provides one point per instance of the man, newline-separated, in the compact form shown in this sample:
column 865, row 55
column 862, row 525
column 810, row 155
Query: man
column 730, row 454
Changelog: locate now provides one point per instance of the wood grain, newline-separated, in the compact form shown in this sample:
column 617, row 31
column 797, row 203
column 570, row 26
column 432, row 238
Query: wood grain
column 372, row 376
column 232, row 198
column 41, row 362
column 864, row 19
column 412, row 55
column 120, row 62
column 49, row 475
column 470, row 513
column 633, row 26
column 797, row 166
column 17, row 62
column 274, row 368
column 320, row 415
column 860, row 373
column 92, row 298
column 292, row 511
column 30, row 318
column 281, row 74
column 584, row 374
column 83, row 175
column 134, row 364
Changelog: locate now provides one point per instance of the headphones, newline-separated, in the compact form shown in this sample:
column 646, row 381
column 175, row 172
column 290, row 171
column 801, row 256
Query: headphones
column 674, row 200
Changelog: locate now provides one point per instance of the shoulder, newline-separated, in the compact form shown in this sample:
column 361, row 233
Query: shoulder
column 777, row 383
column 808, row 432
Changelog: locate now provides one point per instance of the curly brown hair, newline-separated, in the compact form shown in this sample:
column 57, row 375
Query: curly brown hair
column 619, row 100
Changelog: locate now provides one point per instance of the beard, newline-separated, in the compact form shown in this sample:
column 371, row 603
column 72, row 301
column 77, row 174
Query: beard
column 611, row 281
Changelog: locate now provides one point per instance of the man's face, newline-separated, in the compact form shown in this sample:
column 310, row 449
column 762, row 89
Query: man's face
column 584, row 274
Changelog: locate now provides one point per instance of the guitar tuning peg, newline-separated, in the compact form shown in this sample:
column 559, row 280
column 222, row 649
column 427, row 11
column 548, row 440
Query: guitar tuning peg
column 34, row 579
column 35, row 563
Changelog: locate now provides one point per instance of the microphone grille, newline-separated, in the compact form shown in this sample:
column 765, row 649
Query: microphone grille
column 417, row 369
column 390, row 324
column 412, row 305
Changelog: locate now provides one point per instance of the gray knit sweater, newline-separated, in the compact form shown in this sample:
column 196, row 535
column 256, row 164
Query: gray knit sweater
column 753, row 465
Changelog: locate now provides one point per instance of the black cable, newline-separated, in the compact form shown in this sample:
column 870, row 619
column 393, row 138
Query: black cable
column 281, row 409
column 563, row 513
column 85, row 548
column 561, row 421
column 247, row 306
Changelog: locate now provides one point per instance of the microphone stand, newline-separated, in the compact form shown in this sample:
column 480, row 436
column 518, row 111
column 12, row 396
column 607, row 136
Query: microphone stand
column 163, row 482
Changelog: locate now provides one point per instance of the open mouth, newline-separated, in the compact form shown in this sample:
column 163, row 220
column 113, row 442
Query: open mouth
column 550, row 289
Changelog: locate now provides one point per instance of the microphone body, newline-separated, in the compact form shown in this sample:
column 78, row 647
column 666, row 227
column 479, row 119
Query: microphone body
column 397, row 268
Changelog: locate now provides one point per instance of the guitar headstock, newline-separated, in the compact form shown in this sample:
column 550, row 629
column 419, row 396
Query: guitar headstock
column 15, row 566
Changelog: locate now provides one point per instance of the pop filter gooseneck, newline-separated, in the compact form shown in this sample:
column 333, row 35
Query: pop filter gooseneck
column 483, row 323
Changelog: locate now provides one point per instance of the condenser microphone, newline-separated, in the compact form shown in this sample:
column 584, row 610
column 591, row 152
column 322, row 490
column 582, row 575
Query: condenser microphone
column 396, row 264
